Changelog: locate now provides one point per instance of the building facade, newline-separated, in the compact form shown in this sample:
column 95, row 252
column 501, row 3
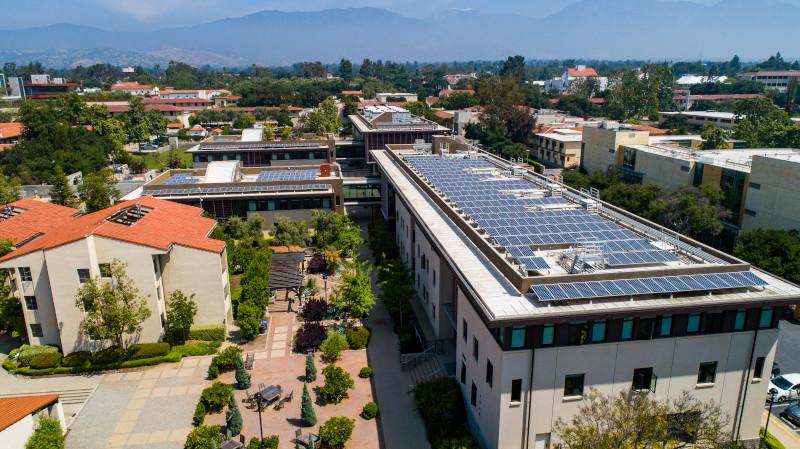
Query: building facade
column 378, row 126
column 165, row 246
column 560, row 148
column 602, row 146
column 778, row 80
column 264, row 153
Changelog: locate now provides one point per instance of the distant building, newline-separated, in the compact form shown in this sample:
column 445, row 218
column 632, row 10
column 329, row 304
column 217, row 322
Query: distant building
column 128, row 69
column 778, row 80
column 10, row 133
column 691, row 80
column 563, row 83
column 771, row 200
column 699, row 119
column 393, row 96
column 56, row 249
column 40, row 86
column 224, row 101
column 264, row 153
column 205, row 94
column 381, row 125
column 134, row 88
column 559, row 148
column 454, row 78
column 687, row 101
column 446, row 92
column 602, row 146
column 18, row 419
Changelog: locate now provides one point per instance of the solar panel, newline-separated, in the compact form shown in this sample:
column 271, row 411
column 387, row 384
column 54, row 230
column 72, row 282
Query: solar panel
column 640, row 257
column 287, row 175
column 644, row 286
column 533, row 263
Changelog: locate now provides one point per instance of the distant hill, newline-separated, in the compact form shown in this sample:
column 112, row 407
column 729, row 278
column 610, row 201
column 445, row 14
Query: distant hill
column 611, row 29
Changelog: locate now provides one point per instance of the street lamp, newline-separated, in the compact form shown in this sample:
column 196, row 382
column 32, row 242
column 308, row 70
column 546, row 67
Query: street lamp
column 772, row 393
column 258, row 397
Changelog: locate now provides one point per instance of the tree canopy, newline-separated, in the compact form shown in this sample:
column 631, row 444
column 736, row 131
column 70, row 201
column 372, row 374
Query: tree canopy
column 773, row 250
column 324, row 119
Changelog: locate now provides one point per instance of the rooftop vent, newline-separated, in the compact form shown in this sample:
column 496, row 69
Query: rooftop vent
column 130, row 215
column 9, row 212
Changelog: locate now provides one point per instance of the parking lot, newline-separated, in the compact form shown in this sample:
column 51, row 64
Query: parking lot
column 789, row 360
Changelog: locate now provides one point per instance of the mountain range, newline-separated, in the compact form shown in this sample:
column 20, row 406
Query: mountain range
column 590, row 29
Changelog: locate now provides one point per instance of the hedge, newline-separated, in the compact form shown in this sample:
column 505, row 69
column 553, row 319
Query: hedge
column 193, row 349
column 148, row 350
column 370, row 410
column 357, row 337
column 211, row 332
column 27, row 352
column 171, row 357
column 77, row 359
column 45, row 360
column 111, row 354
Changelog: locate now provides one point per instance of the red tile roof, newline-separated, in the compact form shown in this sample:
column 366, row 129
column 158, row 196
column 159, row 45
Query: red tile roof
column 16, row 408
column 166, row 223
column 362, row 104
column 352, row 92
column 154, row 100
column 574, row 72
column 444, row 115
column 446, row 92
column 174, row 125
column 38, row 217
column 130, row 86
column 10, row 129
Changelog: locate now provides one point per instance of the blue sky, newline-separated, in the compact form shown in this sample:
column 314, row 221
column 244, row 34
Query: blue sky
column 129, row 15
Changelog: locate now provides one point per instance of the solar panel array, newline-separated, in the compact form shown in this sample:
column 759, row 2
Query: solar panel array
column 237, row 189
column 238, row 145
column 644, row 286
column 287, row 175
column 181, row 178
column 515, row 213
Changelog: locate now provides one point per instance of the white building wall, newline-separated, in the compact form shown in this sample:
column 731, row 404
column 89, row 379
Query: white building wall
column 772, row 195
column 426, row 280
column 203, row 274
column 668, row 172
column 15, row 436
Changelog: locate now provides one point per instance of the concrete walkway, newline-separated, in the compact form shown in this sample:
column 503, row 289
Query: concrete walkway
column 782, row 432
column 400, row 424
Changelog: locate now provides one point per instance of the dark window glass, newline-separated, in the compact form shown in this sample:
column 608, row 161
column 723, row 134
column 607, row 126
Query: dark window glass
column 463, row 371
column 598, row 331
column 501, row 336
column 83, row 275
column 766, row 318
column 578, row 333
column 738, row 322
column 758, row 370
column 464, row 329
column 30, row 303
column 517, row 337
column 475, row 351
column 627, row 329
column 36, row 330
column 693, row 323
column 707, row 373
column 105, row 269
column 489, row 373
column 573, row 385
column 713, row 322
column 548, row 333
column 645, row 328
column 644, row 379
column 665, row 330
column 516, row 390
column 25, row 274
column 473, row 395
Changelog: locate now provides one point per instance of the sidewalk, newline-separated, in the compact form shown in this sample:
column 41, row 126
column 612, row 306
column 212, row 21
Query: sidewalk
column 401, row 426
column 782, row 432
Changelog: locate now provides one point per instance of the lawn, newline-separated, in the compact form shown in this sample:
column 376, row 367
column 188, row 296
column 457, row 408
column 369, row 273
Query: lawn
column 159, row 161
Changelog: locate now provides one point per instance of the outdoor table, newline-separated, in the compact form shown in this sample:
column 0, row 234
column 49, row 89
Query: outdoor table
column 231, row 444
column 271, row 393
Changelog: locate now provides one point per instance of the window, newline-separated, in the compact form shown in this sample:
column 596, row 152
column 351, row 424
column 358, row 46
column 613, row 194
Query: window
column 473, row 395
column 573, row 385
column 738, row 322
column 598, row 331
column 693, row 323
column 758, row 370
column 646, row 327
column 105, row 269
column 755, row 185
column 707, row 373
column 25, row 274
column 578, row 332
column 36, row 331
column 766, row 318
column 30, row 303
column 548, row 332
column 463, row 372
column 434, row 278
column 475, row 351
column 644, row 379
column 518, row 337
column 83, row 275
column 489, row 373
column 665, row 330
column 501, row 336
column 713, row 322
column 685, row 168
column 516, row 390
column 464, row 329
column 627, row 329
column 750, row 212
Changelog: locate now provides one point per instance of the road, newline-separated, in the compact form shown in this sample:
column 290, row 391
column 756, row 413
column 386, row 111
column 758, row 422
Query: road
column 789, row 359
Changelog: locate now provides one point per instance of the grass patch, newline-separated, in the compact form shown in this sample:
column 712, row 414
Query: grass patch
column 159, row 161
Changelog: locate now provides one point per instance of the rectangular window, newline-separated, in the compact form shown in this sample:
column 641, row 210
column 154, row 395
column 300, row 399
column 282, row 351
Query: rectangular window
column 573, row 385
column 83, row 275
column 473, row 395
column 464, row 329
column 548, row 333
column 578, row 333
column 755, row 185
column 501, row 336
column 627, row 329
column 475, row 351
column 644, row 379
column 693, row 323
column 489, row 373
column 738, row 322
column 766, row 318
column 517, row 337
column 750, row 212
column 30, row 303
column 758, row 370
column 516, row 390
column 463, row 372
column 707, row 373
column 25, row 274
column 598, row 331
column 105, row 269
column 665, row 330
column 645, row 329
column 36, row 331
column 713, row 322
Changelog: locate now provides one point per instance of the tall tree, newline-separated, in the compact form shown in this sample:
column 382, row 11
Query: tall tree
column 760, row 122
column 98, row 190
column 61, row 192
column 514, row 68
column 242, row 376
column 9, row 189
column 181, row 310
column 324, row 119
column 307, row 414
column 355, row 295
column 346, row 69
column 233, row 417
column 714, row 137
column 112, row 309
column 773, row 250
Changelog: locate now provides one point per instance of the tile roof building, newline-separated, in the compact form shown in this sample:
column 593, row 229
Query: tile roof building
column 165, row 245
column 18, row 417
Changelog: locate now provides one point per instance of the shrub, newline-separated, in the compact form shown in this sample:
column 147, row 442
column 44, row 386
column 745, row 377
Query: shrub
column 9, row 365
column 315, row 310
column 441, row 406
column 211, row 332
column 357, row 337
column 213, row 371
column 270, row 442
column 337, row 382
column 148, row 350
column 48, row 434
column 311, row 368
column 309, row 336
column 225, row 360
column 45, row 360
column 216, row 396
column 80, row 359
column 233, row 418
column 370, row 410
column 333, row 346
column 194, row 349
column 317, row 264
column 27, row 352
column 242, row 376
column 366, row 372
column 204, row 437
column 336, row 431
column 199, row 413
column 110, row 354
column 307, row 414
column 249, row 315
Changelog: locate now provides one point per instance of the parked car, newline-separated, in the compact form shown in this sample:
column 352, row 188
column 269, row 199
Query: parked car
column 792, row 414
column 784, row 387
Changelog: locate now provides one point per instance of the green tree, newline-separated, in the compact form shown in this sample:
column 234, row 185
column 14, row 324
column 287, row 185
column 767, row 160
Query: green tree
column 324, row 119
column 181, row 310
column 773, row 250
column 696, row 212
column 61, row 193
column 47, row 435
column 98, row 190
column 204, row 437
column 245, row 120
column 336, row 431
column 288, row 232
column 514, row 68
column 634, row 198
column 12, row 317
column 137, row 123
column 242, row 376
column 639, row 94
column 714, row 137
column 396, row 288
column 248, row 317
column 112, row 129
column 337, row 230
column 333, row 345
column 760, row 122
column 9, row 189
column 233, row 418
column 112, row 309
column 307, row 414
column 311, row 368
column 355, row 296
column 346, row 69
column 458, row 100
column 337, row 382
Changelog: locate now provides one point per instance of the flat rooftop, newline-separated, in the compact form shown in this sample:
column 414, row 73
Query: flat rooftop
column 563, row 135
column 706, row 114
column 736, row 159
column 222, row 145
column 527, row 247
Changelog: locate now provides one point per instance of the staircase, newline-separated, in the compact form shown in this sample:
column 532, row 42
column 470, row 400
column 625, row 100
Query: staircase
column 430, row 368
